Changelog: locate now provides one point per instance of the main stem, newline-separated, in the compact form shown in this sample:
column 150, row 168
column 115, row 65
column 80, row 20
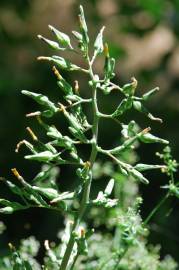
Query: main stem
column 87, row 186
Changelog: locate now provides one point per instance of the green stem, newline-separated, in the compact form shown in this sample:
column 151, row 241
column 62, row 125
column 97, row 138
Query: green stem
column 155, row 209
column 87, row 186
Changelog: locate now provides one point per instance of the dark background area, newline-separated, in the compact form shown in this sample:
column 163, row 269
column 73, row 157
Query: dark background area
column 143, row 37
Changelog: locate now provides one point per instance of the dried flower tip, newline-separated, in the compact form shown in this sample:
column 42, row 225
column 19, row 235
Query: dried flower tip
column 16, row 174
column 57, row 73
column 106, row 50
column 87, row 164
column 33, row 114
column 62, row 107
column 134, row 82
column 146, row 130
column 82, row 232
column 32, row 134
column 46, row 245
column 18, row 146
column 11, row 246
column 76, row 87
column 39, row 58
column 71, row 222
column 40, row 37
column 164, row 169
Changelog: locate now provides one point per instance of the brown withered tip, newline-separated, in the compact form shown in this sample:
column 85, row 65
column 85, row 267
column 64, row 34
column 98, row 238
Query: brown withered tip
column 62, row 107
column 32, row 134
column 56, row 72
column 82, row 232
column 146, row 130
column 16, row 173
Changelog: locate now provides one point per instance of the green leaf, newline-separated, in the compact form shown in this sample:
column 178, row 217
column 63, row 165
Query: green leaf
column 62, row 38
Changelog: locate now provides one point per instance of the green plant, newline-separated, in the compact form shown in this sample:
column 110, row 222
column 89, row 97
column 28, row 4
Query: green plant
column 117, row 206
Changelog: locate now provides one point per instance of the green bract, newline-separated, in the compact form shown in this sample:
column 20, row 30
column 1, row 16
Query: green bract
column 116, row 208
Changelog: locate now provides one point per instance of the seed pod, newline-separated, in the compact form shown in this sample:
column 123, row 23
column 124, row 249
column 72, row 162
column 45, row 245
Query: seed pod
column 15, row 189
column 62, row 83
column 41, row 99
column 45, row 156
column 49, row 193
column 109, row 64
column 77, row 134
column 63, row 196
column 125, row 105
column 149, row 138
column 144, row 167
column 109, row 187
column 98, row 44
column 129, row 89
column 53, row 132
column 61, row 62
column 77, row 35
column 14, row 206
column 43, row 175
column 61, row 37
column 138, row 176
column 6, row 210
column 83, row 26
column 52, row 44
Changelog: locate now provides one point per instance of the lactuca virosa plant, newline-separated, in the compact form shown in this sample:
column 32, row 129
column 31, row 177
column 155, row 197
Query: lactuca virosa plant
column 117, row 207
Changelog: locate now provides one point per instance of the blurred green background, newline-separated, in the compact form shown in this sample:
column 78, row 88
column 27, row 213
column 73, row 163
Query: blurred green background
column 144, row 39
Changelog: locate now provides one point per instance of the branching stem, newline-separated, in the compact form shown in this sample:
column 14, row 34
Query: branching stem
column 87, row 186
